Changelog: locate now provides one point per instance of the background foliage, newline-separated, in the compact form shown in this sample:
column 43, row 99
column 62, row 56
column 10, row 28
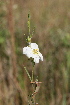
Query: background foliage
column 52, row 33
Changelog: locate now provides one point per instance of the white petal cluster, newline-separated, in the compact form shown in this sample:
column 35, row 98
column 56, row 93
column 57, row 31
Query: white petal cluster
column 32, row 51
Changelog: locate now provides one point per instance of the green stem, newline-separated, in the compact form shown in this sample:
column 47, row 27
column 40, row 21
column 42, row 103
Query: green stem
column 32, row 74
column 29, row 23
column 28, row 73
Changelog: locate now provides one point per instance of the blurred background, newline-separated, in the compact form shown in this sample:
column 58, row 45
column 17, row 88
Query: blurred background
column 51, row 19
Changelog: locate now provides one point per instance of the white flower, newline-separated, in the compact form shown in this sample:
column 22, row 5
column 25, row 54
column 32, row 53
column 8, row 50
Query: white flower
column 33, row 51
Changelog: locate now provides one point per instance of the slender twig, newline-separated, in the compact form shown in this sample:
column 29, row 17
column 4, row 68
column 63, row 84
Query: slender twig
column 32, row 75
column 33, row 72
column 29, row 23
column 28, row 73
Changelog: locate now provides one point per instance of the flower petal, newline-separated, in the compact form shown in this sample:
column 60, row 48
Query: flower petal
column 40, row 56
column 34, row 46
column 33, row 51
column 27, row 51
column 24, row 50
column 36, row 60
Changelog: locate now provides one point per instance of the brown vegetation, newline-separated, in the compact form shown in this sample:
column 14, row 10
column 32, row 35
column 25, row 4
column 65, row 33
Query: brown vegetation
column 51, row 19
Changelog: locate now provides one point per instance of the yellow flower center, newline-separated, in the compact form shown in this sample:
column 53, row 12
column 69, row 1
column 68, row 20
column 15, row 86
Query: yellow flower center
column 35, row 51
